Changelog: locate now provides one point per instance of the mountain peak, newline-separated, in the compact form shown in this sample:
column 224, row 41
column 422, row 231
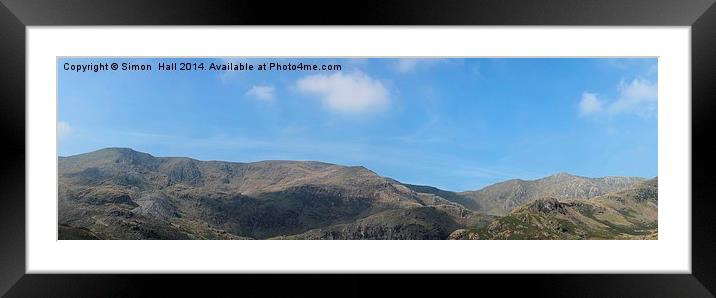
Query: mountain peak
column 114, row 154
column 563, row 175
column 123, row 150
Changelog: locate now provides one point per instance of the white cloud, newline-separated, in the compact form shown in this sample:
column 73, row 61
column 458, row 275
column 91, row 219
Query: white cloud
column 263, row 93
column 589, row 104
column 639, row 97
column 346, row 92
column 636, row 97
column 63, row 129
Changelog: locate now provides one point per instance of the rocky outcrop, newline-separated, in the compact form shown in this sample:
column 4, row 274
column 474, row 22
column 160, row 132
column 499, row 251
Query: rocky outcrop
column 464, row 234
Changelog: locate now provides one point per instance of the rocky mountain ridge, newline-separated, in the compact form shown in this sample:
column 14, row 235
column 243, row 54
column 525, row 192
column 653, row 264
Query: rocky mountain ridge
column 119, row 193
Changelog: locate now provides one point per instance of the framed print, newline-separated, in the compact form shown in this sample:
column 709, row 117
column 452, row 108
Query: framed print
column 527, row 142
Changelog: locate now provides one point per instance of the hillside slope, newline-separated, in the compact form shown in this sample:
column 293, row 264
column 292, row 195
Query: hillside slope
column 502, row 198
column 627, row 214
column 119, row 193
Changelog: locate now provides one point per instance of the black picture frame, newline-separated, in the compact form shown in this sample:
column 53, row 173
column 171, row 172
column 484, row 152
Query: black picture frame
column 16, row 15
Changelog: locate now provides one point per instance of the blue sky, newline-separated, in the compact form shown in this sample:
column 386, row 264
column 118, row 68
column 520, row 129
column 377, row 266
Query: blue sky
column 457, row 124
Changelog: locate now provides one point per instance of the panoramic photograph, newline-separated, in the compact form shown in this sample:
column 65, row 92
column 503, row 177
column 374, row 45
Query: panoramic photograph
column 234, row 148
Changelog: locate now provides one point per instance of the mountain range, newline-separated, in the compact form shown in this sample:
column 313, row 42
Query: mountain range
column 119, row 193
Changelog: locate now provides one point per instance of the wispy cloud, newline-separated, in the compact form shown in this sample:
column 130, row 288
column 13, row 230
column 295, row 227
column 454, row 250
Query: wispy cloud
column 589, row 104
column 638, row 96
column 63, row 129
column 341, row 92
column 406, row 65
column 263, row 93
column 409, row 65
